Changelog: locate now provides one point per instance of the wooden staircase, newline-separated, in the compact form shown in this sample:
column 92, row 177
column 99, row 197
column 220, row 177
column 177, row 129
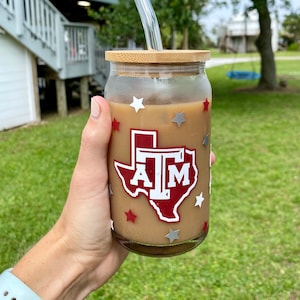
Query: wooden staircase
column 64, row 49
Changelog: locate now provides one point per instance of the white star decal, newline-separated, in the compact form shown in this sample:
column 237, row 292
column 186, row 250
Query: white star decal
column 199, row 200
column 137, row 103
column 172, row 235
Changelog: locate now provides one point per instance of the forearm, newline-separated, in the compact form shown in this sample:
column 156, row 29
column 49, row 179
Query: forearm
column 50, row 269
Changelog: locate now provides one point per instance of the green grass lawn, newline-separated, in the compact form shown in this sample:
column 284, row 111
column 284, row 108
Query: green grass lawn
column 253, row 248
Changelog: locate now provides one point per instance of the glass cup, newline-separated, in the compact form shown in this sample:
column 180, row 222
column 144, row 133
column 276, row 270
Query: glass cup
column 159, row 154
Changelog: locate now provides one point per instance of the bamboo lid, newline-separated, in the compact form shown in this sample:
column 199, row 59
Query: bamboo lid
column 153, row 56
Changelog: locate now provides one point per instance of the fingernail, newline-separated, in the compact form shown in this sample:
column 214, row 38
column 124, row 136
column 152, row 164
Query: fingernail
column 95, row 109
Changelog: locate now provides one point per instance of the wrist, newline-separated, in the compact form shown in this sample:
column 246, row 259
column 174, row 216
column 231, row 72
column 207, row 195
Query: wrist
column 12, row 287
column 53, row 271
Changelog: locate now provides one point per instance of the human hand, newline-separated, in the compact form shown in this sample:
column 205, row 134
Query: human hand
column 79, row 254
column 86, row 220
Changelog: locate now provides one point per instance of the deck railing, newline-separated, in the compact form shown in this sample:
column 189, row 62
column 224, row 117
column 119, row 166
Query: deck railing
column 70, row 49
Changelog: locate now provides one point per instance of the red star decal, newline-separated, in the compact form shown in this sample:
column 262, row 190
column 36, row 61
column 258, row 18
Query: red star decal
column 205, row 105
column 130, row 216
column 205, row 227
column 115, row 125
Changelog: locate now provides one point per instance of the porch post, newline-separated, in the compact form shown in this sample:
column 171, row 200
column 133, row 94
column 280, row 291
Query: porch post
column 19, row 12
column 84, row 93
column 91, row 50
column 61, row 96
column 37, row 105
column 60, row 35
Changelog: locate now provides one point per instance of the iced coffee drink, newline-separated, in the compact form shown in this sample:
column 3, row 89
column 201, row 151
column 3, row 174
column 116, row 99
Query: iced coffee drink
column 159, row 154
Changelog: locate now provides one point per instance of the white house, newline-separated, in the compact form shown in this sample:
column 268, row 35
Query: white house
column 241, row 31
column 19, row 100
column 35, row 31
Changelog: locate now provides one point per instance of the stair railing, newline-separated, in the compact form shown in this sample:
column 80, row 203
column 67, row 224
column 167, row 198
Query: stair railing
column 66, row 47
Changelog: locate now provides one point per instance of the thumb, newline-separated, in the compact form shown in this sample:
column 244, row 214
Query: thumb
column 90, row 173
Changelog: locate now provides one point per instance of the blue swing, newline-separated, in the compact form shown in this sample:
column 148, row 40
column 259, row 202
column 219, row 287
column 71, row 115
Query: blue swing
column 242, row 75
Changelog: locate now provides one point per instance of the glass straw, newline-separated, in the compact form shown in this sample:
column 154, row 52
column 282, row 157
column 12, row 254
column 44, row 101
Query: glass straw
column 150, row 24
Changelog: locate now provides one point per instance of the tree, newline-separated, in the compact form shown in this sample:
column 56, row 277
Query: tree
column 120, row 22
column 291, row 26
column 268, row 80
column 182, row 16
